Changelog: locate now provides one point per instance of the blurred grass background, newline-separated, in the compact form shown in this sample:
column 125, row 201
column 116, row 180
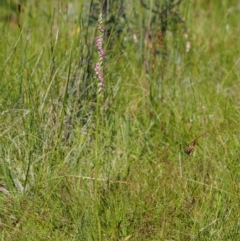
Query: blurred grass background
column 73, row 168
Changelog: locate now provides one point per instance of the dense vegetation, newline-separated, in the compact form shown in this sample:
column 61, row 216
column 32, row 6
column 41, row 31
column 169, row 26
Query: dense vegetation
column 146, row 147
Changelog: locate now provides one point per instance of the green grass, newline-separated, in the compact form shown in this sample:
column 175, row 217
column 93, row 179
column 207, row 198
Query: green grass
column 77, row 167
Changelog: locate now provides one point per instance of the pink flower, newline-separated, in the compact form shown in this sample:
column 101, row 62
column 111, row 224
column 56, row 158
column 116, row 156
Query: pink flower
column 99, row 66
column 99, row 76
column 100, row 49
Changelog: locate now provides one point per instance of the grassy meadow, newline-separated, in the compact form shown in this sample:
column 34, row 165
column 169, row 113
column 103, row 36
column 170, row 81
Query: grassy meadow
column 153, row 154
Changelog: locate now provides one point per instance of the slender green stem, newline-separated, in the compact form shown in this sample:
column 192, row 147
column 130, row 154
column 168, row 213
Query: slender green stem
column 96, row 169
